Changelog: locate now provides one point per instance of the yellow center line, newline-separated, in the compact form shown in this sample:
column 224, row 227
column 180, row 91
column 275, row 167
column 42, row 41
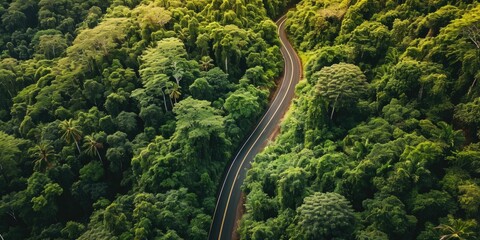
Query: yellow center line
column 263, row 130
column 235, row 159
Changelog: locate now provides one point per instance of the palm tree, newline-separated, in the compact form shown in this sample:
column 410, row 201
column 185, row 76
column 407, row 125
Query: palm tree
column 43, row 154
column 206, row 63
column 71, row 132
column 175, row 92
column 457, row 229
column 91, row 146
column 448, row 135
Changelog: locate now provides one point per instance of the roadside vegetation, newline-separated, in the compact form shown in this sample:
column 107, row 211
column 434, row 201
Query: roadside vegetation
column 383, row 139
column 117, row 118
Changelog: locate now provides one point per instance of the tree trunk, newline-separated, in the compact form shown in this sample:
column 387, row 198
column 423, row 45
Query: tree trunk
column 12, row 214
column 8, row 89
column 226, row 65
column 171, row 103
column 177, row 79
column 98, row 154
column 431, row 32
column 78, row 147
column 164, row 101
column 471, row 86
column 333, row 108
column 333, row 111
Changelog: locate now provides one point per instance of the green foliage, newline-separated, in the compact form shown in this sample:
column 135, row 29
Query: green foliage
column 51, row 46
column 433, row 22
column 152, row 17
column 470, row 198
column 324, row 216
column 114, row 100
column 117, row 118
column 201, row 89
column 458, row 229
column 467, row 114
column 71, row 133
column 93, row 44
column 387, row 213
column 291, row 187
column 315, row 22
column 358, row 13
column 370, row 41
column 244, row 106
column 327, row 56
column 159, row 59
column 10, row 150
column 44, row 157
column 433, row 204
column 339, row 85
column 199, row 126
column 73, row 229
column 402, row 145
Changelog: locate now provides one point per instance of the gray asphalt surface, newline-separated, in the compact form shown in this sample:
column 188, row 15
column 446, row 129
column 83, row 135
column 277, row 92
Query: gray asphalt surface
column 230, row 192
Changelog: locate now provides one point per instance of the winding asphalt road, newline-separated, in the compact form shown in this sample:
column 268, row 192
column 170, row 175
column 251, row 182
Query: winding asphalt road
column 230, row 192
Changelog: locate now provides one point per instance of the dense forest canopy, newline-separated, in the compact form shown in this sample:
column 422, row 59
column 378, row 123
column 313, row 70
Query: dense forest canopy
column 383, row 139
column 117, row 117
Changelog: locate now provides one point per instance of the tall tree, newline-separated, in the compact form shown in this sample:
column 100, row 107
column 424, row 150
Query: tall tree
column 44, row 156
column 199, row 128
column 174, row 92
column 206, row 63
column 340, row 85
column 51, row 46
column 71, row 132
column 324, row 216
column 10, row 159
column 91, row 45
column 152, row 17
column 458, row 229
column 92, row 146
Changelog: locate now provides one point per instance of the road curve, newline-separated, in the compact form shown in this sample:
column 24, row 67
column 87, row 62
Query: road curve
column 226, row 209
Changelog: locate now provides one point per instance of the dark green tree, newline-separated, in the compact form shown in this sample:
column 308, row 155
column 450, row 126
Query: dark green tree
column 44, row 156
column 340, row 85
column 324, row 216
column 92, row 146
column 71, row 132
